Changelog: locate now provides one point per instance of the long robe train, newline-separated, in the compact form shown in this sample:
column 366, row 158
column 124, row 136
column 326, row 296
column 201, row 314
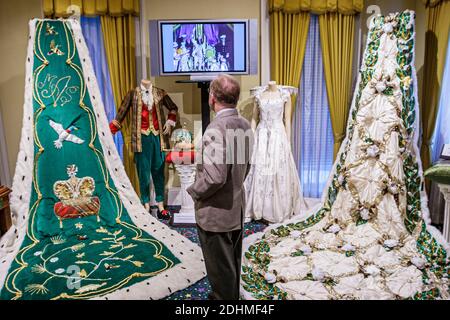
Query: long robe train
column 371, row 238
column 79, row 230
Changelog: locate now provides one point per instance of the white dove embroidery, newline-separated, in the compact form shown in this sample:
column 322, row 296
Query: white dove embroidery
column 64, row 134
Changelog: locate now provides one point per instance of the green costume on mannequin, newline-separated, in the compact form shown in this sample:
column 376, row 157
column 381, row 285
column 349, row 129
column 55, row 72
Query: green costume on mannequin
column 149, row 137
column 150, row 161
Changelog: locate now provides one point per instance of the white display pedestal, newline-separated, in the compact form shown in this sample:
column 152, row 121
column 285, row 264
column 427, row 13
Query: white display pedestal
column 186, row 216
column 445, row 190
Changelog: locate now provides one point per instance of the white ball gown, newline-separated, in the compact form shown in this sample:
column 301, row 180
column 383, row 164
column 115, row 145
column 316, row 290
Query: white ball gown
column 370, row 239
column 273, row 190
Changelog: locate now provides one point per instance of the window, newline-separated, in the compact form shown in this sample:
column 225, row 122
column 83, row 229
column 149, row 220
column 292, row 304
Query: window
column 313, row 147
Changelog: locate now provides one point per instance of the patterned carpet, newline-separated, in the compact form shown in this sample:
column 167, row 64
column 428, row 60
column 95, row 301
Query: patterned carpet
column 201, row 289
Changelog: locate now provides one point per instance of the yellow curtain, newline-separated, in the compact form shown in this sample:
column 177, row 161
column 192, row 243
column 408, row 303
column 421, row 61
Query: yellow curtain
column 436, row 40
column 432, row 3
column 63, row 8
column 336, row 36
column 119, row 37
column 289, row 33
column 317, row 6
column 289, row 30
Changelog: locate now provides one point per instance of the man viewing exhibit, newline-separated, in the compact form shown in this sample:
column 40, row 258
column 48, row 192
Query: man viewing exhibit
column 210, row 150
column 218, row 189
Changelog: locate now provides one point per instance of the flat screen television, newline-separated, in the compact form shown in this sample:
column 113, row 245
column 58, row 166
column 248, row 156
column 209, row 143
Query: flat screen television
column 201, row 47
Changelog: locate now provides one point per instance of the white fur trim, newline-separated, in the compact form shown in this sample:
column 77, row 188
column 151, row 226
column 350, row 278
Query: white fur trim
column 170, row 123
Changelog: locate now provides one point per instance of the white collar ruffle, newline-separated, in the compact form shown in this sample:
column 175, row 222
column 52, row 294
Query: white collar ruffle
column 147, row 96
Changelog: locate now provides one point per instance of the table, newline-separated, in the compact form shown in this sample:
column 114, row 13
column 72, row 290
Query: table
column 5, row 213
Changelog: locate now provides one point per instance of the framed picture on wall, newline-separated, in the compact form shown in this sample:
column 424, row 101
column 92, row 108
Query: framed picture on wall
column 445, row 153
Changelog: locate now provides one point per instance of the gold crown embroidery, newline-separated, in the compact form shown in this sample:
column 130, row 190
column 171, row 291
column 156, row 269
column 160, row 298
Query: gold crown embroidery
column 76, row 196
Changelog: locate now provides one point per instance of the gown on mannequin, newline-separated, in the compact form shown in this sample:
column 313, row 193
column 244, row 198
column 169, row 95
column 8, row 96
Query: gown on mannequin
column 273, row 191
column 370, row 239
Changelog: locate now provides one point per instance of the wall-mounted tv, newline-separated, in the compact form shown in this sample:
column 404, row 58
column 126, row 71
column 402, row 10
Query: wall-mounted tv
column 202, row 47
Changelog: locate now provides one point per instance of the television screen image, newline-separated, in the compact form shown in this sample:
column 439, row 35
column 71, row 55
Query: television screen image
column 198, row 47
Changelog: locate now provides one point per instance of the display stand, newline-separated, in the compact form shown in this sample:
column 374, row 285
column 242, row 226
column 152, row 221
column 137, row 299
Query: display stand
column 186, row 216
column 445, row 190
column 204, row 86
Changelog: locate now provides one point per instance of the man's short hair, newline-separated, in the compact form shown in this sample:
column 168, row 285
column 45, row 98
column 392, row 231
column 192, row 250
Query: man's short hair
column 226, row 90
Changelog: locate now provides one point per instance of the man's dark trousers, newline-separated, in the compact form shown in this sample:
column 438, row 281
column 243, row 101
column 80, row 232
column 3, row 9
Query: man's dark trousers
column 222, row 252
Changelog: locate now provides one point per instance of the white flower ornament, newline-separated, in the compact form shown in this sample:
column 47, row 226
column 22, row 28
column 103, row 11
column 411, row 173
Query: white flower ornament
column 373, row 151
column 270, row 278
column 306, row 250
column 335, row 228
column 295, row 234
column 380, row 86
column 388, row 28
column 318, row 274
column 349, row 247
column 390, row 243
column 365, row 214
column 419, row 262
column 393, row 188
column 372, row 270
column 341, row 179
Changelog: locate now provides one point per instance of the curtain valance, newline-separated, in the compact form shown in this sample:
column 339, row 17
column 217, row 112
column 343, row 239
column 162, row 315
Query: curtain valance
column 347, row 7
column 90, row 8
column 432, row 3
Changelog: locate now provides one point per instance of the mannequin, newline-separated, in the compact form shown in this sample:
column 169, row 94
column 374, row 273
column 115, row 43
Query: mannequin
column 272, row 186
column 149, row 137
column 270, row 93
